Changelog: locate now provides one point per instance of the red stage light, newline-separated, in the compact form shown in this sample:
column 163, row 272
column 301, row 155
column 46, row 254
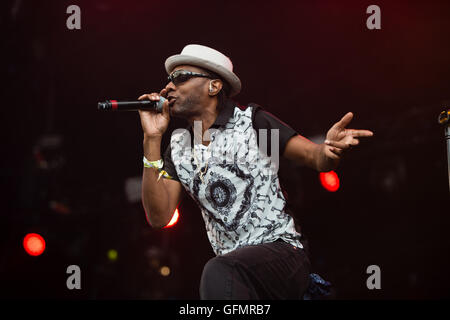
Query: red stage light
column 174, row 219
column 329, row 180
column 34, row 244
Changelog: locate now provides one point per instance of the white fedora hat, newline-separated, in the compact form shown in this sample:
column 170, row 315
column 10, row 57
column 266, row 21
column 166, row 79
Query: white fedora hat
column 209, row 59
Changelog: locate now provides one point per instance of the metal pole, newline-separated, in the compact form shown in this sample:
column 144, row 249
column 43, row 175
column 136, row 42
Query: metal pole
column 447, row 137
column 444, row 119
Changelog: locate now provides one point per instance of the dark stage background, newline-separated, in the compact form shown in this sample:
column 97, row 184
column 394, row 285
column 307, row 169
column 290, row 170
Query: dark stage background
column 67, row 169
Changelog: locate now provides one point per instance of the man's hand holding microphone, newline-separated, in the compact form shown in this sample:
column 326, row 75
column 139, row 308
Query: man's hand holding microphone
column 154, row 124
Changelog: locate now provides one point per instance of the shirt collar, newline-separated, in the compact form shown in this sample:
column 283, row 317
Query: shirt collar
column 222, row 118
column 225, row 114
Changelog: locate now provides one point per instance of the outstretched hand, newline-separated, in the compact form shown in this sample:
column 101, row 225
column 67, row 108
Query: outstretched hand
column 340, row 139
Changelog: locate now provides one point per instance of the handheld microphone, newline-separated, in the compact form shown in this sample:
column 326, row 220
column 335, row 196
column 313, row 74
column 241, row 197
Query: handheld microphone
column 115, row 105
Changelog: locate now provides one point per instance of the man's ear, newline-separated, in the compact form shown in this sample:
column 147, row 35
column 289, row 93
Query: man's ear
column 214, row 87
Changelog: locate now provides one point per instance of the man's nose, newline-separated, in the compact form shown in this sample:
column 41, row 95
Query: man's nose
column 167, row 89
column 170, row 87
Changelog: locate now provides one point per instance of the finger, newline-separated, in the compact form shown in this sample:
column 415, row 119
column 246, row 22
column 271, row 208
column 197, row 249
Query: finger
column 337, row 144
column 354, row 142
column 151, row 96
column 143, row 114
column 154, row 97
column 360, row 133
column 163, row 93
column 333, row 155
column 345, row 120
column 336, row 151
column 166, row 108
column 143, row 97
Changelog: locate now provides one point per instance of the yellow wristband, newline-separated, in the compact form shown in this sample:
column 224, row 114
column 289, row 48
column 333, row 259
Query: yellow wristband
column 158, row 165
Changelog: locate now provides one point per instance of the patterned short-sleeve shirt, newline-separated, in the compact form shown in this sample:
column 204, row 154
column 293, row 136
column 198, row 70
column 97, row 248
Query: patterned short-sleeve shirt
column 233, row 181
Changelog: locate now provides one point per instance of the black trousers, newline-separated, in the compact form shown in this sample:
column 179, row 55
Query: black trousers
column 274, row 270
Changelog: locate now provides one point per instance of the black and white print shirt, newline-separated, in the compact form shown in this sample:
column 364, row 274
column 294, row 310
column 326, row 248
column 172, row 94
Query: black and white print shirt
column 231, row 180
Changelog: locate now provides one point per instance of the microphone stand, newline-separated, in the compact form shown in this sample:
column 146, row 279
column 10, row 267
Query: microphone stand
column 444, row 119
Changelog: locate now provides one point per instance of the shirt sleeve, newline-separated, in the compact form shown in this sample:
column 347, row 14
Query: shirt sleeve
column 168, row 166
column 265, row 120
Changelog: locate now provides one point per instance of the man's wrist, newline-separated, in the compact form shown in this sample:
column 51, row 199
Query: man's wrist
column 152, row 148
column 152, row 137
column 325, row 163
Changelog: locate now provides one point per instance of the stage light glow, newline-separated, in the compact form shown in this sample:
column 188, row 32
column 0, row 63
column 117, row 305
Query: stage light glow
column 174, row 219
column 112, row 255
column 34, row 244
column 329, row 180
column 164, row 271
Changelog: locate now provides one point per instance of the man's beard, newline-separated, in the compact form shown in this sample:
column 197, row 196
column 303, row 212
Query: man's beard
column 185, row 108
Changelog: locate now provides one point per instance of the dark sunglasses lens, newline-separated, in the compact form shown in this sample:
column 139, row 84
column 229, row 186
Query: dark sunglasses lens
column 180, row 78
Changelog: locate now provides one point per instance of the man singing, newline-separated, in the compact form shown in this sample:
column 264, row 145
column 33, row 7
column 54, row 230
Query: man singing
column 226, row 161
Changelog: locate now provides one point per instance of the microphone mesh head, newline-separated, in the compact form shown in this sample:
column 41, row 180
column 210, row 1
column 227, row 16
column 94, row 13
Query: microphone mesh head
column 159, row 104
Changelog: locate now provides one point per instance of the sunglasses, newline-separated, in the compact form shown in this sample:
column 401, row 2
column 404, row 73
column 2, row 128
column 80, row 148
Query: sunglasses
column 180, row 76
